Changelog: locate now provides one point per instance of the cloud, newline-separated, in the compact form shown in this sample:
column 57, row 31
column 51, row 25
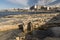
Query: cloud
column 45, row 2
column 21, row 2
column 31, row 2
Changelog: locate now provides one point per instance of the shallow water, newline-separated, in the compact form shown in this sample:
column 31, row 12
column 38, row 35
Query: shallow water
column 16, row 13
column 9, row 35
column 52, row 33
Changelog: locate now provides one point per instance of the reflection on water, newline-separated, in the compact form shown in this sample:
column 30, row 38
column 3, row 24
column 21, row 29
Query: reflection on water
column 9, row 35
column 52, row 33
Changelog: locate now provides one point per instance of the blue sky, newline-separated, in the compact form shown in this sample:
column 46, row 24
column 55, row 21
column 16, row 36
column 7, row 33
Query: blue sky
column 18, row 3
column 6, row 4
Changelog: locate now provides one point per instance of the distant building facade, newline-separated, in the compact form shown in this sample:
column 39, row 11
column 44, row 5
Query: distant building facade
column 38, row 7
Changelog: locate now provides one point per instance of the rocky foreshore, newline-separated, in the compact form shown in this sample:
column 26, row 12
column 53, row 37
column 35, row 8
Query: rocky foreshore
column 38, row 22
column 39, row 19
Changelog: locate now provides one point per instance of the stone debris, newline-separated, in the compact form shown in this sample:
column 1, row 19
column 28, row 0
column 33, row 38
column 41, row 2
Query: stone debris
column 28, row 23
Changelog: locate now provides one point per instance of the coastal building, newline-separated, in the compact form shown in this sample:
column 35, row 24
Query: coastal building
column 35, row 7
column 38, row 7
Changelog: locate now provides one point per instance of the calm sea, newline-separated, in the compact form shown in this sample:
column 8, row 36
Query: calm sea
column 16, row 13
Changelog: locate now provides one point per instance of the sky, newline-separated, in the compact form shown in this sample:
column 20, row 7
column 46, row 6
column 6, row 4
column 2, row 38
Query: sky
column 23, row 3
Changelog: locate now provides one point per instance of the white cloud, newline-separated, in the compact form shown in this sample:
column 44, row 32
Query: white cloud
column 43, row 2
column 25, row 2
column 22, row 2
